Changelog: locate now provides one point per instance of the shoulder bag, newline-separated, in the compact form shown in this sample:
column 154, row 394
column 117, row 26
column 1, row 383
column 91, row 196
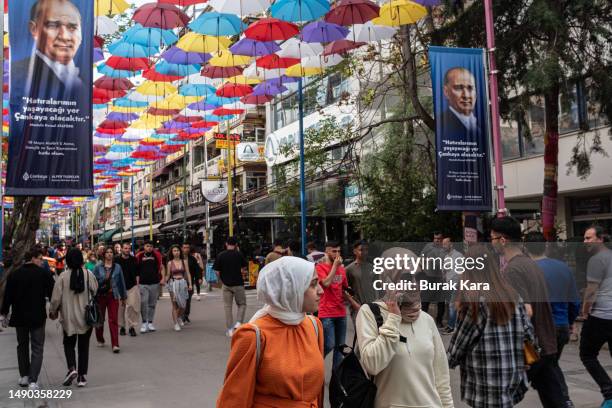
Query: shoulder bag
column 92, row 313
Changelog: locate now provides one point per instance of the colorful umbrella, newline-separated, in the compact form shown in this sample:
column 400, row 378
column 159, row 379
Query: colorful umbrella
column 98, row 55
column 253, row 48
column 125, row 117
column 175, row 55
column 127, row 50
column 268, row 88
column 252, row 71
column 256, row 99
column 341, row 47
column 271, row 29
column 149, row 36
column 98, row 41
column 182, row 3
column 128, row 64
column 274, row 61
column 240, row 7
column 322, row 62
column 153, row 75
column 106, row 94
column 203, row 106
column 294, row 48
column 105, row 26
column 217, row 24
column 194, row 42
column 400, row 12
column 204, row 124
column 200, row 90
column 370, row 32
column 156, row 88
column 167, row 68
column 109, row 7
column 323, row 32
column 299, row 10
column 349, row 12
column 159, row 15
column 241, row 79
column 299, row 71
column 234, row 90
column 227, row 59
column 104, row 69
column 106, row 82
column 221, row 72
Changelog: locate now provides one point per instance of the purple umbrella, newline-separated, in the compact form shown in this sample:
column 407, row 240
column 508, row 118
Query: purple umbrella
column 122, row 117
column 253, row 48
column 194, row 131
column 266, row 88
column 105, row 135
column 202, row 106
column 282, row 80
column 175, row 55
column 323, row 32
column 124, row 140
column 173, row 124
column 98, row 55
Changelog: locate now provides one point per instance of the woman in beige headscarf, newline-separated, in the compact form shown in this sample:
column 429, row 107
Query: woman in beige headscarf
column 406, row 353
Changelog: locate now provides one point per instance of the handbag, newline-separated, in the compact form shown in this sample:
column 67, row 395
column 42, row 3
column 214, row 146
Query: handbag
column 92, row 313
column 531, row 353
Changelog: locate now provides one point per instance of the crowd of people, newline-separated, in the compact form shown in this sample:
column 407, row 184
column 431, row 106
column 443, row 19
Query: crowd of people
column 507, row 329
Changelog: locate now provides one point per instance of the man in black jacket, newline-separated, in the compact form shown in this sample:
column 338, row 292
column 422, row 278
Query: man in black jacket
column 26, row 290
column 196, row 276
column 129, row 313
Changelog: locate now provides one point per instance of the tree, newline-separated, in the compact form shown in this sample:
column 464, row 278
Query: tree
column 542, row 46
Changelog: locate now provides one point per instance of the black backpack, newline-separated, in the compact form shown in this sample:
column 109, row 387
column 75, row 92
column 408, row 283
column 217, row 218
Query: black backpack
column 350, row 386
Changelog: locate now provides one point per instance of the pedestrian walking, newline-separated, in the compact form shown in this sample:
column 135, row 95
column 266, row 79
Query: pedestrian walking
column 111, row 291
column 60, row 255
column 229, row 267
column 73, row 290
column 452, row 275
column 151, row 275
column 279, row 332
column 129, row 313
column 527, row 279
column 117, row 248
column 332, row 310
column 280, row 249
column 91, row 261
column 25, row 297
column 195, row 273
column 360, row 277
column 434, row 274
column 489, row 338
column 405, row 355
column 100, row 252
column 597, row 329
column 178, row 282
column 202, row 264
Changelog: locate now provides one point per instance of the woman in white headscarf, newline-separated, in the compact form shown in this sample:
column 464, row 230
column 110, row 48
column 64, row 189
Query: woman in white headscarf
column 276, row 360
column 405, row 354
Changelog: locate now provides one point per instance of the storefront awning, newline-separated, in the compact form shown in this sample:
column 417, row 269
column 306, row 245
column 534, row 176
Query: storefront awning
column 139, row 232
column 108, row 234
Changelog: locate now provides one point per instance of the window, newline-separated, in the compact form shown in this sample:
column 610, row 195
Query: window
column 510, row 139
column 260, row 135
column 533, row 133
column 595, row 117
column 569, row 118
column 198, row 155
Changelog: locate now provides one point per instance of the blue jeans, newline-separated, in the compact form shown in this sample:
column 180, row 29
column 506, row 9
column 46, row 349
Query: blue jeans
column 452, row 312
column 334, row 333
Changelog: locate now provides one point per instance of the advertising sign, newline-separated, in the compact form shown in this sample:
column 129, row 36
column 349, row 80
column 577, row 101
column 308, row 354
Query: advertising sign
column 351, row 199
column 214, row 191
column 462, row 147
column 50, row 140
column 249, row 152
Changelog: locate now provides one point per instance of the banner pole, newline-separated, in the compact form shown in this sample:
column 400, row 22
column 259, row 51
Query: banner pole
column 185, row 194
column 302, row 176
column 230, row 188
column 132, row 209
column 151, row 205
column 497, row 149
column 1, row 140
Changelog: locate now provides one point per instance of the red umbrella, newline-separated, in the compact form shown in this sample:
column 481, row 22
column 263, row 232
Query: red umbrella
column 256, row 99
column 151, row 142
column 170, row 148
column 98, row 41
column 128, row 64
column 97, row 101
column 274, row 61
column 113, row 124
column 101, row 93
column 271, row 29
column 165, row 131
column 204, row 124
column 348, row 12
column 117, row 131
column 146, row 155
column 114, row 84
column 182, row 3
column 153, row 75
column 156, row 15
column 187, row 119
column 225, row 111
column 163, row 112
column 99, row 149
column 230, row 90
column 221, row 72
column 341, row 47
column 187, row 136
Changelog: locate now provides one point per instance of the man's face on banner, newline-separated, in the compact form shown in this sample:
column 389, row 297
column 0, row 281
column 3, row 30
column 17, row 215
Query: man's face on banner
column 57, row 30
column 460, row 90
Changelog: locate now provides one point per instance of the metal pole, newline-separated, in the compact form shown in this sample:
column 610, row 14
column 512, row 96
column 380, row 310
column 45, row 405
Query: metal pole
column 132, row 209
column 497, row 149
column 121, row 213
column 206, row 205
column 151, row 205
column 302, row 177
column 185, row 194
column 1, row 139
column 230, row 188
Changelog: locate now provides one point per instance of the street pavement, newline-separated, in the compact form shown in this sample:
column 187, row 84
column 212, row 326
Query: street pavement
column 186, row 369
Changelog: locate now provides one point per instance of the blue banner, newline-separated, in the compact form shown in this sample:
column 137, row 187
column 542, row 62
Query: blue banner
column 50, row 137
column 462, row 149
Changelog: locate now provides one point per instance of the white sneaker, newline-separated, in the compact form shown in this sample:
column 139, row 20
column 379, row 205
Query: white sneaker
column 24, row 381
column 151, row 327
column 198, row 298
column 177, row 327
column 33, row 386
column 229, row 332
column 144, row 328
column 236, row 326
column 101, row 344
column 181, row 322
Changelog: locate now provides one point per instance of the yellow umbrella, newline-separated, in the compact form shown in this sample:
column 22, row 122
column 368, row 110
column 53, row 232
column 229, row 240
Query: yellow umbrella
column 227, row 59
column 175, row 101
column 126, row 109
column 156, row 88
column 6, row 40
column 144, row 162
column 108, row 7
column 298, row 71
column 149, row 122
column 242, row 80
column 194, row 42
column 400, row 12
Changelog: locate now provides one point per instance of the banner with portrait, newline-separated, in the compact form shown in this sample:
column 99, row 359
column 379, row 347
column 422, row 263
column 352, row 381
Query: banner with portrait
column 463, row 163
column 50, row 135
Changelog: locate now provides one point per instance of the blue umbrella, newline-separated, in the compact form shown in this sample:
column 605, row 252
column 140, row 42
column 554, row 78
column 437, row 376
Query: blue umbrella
column 197, row 90
column 299, row 10
column 323, row 32
column 217, row 24
column 100, row 106
column 177, row 142
column 128, row 103
column 128, row 161
column 253, row 48
column 167, row 68
column 127, row 50
column 149, row 36
column 175, row 55
column 115, row 73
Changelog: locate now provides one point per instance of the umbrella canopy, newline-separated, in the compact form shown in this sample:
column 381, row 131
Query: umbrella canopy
column 271, row 29
column 127, row 50
column 182, row 3
column 104, row 69
column 274, row 61
column 400, row 12
column 299, row 10
column 299, row 71
column 240, row 7
column 167, row 68
column 268, row 88
column 109, row 7
column 199, row 90
column 149, row 36
column 349, row 12
column 105, row 26
column 98, row 55
column 98, row 41
column 107, row 94
column 252, row 48
column 370, row 32
column 217, row 24
column 221, row 72
column 175, row 55
column 194, row 42
column 252, row 71
column 156, row 88
column 241, row 79
column 202, row 106
column 204, row 124
column 323, row 32
column 233, row 90
column 226, row 111
column 125, row 117
column 128, row 64
column 227, row 59
column 106, row 82
column 160, row 15
column 256, row 99
column 153, row 75
column 294, row 48
column 341, row 47
column 428, row 3
column 322, row 62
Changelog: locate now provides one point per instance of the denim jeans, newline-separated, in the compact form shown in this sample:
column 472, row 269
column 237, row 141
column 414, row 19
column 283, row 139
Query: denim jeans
column 452, row 314
column 334, row 333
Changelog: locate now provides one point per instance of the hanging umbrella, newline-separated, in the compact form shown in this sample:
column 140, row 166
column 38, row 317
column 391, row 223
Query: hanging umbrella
column 153, row 75
column 349, row 12
column 169, row 149
column 149, row 36
column 104, row 69
column 221, row 72
column 240, row 7
column 400, row 12
column 199, row 90
column 105, row 26
column 194, row 42
column 323, row 32
column 226, row 111
column 175, row 55
column 182, row 3
column 274, row 61
column 299, row 10
column 128, row 64
column 156, row 88
column 127, row 103
column 167, row 68
column 109, row 7
column 253, row 48
column 234, row 90
column 106, row 82
column 98, row 41
column 107, row 94
column 98, row 55
column 322, row 62
column 241, row 79
column 256, row 99
column 252, row 71
column 370, row 32
column 187, row 119
column 282, row 80
column 149, row 141
column 227, row 59
column 428, row 3
column 204, row 124
column 217, row 24
column 299, row 71
column 113, row 124
column 127, row 50
column 271, row 29
column 159, row 15
column 294, row 48
column 125, row 117
column 341, row 47
column 268, row 88
column 202, row 106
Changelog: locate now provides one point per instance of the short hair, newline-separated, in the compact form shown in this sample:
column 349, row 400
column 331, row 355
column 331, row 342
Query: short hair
column 332, row 244
column 359, row 242
column 126, row 243
column 509, row 227
column 279, row 242
column 36, row 8
column 536, row 243
column 186, row 243
column 147, row 242
column 311, row 245
column 35, row 252
column 231, row 241
column 599, row 231
column 453, row 69
column 74, row 259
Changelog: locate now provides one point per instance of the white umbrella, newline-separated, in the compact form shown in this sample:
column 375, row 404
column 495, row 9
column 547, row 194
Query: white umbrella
column 116, row 155
column 370, row 32
column 321, row 61
column 294, row 48
column 252, row 71
column 104, row 141
column 105, row 26
column 138, row 97
column 240, row 7
column 136, row 134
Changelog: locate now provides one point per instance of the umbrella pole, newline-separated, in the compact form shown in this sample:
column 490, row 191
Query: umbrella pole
column 302, row 179
column 132, row 210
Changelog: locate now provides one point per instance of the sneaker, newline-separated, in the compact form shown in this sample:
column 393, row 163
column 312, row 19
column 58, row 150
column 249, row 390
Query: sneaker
column 198, row 298
column 151, row 327
column 229, row 332
column 116, row 349
column 177, row 327
column 24, row 381
column 81, row 381
column 132, row 332
column 122, row 331
column 72, row 374
column 447, row 330
column 186, row 320
column 607, row 404
column 144, row 328
column 180, row 322
column 33, row 386
column 101, row 344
